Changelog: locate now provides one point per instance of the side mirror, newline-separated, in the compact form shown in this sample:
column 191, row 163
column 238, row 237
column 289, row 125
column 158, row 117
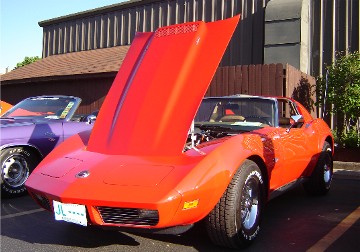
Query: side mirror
column 90, row 119
column 296, row 121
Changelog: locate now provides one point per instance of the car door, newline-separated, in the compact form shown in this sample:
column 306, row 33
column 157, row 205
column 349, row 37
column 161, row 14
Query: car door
column 46, row 136
column 292, row 144
column 71, row 128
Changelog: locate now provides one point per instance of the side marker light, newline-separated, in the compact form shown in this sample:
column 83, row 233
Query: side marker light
column 190, row 204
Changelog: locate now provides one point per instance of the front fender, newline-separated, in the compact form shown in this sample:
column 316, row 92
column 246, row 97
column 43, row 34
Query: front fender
column 205, row 183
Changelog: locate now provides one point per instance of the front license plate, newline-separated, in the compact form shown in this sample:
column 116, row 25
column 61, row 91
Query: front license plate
column 70, row 212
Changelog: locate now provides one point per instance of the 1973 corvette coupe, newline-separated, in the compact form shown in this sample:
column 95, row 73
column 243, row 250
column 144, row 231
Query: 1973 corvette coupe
column 29, row 131
column 142, row 169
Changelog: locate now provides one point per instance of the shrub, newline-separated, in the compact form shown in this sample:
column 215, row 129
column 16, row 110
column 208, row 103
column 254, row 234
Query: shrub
column 342, row 88
column 347, row 139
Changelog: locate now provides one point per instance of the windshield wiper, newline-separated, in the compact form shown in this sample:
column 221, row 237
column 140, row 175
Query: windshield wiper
column 212, row 126
column 220, row 128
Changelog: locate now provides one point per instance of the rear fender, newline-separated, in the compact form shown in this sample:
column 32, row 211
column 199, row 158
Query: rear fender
column 324, row 135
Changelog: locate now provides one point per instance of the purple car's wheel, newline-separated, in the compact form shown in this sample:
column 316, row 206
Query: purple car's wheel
column 235, row 220
column 16, row 166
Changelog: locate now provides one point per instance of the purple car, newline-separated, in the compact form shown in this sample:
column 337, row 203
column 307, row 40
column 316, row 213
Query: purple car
column 29, row 131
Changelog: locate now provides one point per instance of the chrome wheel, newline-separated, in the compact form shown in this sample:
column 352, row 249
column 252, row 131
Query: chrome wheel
column 235, row 220
column 250, row 203
column 320, row 180
column 15, row 170
column 327, row 173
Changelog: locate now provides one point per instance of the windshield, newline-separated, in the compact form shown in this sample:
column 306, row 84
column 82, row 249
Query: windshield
column 42, row 107
column 242, row 113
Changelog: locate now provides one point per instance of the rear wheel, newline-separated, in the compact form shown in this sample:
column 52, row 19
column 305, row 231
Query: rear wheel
column 320, row 180
column 16, row 165
column 235, row 220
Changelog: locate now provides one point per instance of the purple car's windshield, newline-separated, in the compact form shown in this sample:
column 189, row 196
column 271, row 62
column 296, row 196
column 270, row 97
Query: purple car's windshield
column 43, row 107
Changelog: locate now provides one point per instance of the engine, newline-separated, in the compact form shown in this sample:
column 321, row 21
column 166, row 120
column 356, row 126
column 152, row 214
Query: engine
column 199, row 136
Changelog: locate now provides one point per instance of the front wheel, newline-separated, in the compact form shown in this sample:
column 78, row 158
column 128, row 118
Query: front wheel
column 235, row 220
column 321, row 177
column 16, row 165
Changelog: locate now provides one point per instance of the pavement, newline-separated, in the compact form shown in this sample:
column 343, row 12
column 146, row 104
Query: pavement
column 351, row 166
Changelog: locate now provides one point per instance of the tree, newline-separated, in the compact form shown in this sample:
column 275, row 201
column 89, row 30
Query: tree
column 27, row 61
column 342, row 88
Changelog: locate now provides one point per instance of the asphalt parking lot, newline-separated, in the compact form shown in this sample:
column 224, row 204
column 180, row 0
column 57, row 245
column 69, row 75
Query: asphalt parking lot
column 292, row 222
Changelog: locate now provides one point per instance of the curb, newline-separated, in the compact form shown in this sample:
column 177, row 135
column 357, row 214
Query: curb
column 352, row 166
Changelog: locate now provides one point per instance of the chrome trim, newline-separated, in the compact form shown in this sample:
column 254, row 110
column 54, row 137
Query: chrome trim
column 83, row 174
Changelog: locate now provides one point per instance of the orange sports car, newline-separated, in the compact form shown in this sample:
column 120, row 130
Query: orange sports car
column 160, row 158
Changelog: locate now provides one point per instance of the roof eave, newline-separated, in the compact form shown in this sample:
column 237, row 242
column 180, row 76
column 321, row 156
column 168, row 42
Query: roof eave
column 96, row 11
column 59, row 78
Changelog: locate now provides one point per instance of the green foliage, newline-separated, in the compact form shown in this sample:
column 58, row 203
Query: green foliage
column 343, row 90
column 344, row 84
column 27, row 61
column 350, row 139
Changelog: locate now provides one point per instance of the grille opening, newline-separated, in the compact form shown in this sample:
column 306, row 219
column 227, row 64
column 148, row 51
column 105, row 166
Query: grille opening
column 42, row 201
column 129, row 216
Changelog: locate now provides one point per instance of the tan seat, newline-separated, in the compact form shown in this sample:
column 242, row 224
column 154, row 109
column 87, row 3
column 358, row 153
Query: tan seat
column 284, row 122
column 232, row 118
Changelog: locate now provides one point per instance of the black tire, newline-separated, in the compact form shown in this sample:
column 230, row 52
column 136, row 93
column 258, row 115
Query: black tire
column 16, row 165
column 235, row 220
column 321, row 177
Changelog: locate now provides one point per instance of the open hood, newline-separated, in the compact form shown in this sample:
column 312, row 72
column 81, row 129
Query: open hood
column 159, row 87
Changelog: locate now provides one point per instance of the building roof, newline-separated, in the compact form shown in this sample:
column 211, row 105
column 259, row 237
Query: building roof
column 70, row 65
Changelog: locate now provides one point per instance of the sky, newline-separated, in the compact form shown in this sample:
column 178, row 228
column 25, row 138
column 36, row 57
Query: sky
column 20, row 33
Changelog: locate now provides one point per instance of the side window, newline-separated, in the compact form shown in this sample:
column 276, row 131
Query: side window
column 286, row 110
